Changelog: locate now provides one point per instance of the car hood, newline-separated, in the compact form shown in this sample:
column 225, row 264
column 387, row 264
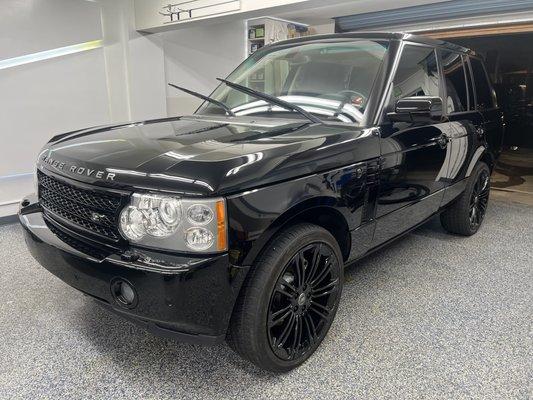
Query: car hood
column 200, row 155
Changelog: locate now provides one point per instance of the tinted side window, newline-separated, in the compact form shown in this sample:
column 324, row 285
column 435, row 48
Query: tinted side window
column 455, row 79
column 483, row 89
column 417, row 73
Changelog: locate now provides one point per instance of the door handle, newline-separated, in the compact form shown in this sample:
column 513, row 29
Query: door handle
column 443, row 141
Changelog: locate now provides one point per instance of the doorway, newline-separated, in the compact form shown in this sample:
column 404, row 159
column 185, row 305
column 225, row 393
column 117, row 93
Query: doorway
column 510, row 65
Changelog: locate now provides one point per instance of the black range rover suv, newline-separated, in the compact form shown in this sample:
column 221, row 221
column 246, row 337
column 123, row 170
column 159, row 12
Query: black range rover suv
column 236, row 222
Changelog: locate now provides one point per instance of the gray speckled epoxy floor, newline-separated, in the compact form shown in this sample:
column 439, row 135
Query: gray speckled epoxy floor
column 432, row 316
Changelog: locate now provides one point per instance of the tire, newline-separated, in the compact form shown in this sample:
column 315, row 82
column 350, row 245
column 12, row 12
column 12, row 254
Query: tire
column 276, row 322
column 466, row 214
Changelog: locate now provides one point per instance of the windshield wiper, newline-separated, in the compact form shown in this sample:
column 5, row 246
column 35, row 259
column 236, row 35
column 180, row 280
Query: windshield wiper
column 272, row 100
column 206, row 98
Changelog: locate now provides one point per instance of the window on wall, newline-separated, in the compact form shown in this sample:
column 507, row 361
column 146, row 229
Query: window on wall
column 484, row 96
column 417, row 73
column 455, row 80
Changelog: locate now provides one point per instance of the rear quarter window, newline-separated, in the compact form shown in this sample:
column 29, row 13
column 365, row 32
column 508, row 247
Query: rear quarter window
column 484, row 94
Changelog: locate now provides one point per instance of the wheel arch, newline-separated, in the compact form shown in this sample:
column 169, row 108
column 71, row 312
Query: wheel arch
column 488, row 159
column 321, row 211
column 481, row 154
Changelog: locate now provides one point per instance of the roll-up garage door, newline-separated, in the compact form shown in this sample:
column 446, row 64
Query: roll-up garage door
column 430, row 12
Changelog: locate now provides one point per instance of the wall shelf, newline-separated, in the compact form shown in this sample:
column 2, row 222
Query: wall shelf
column 263, row 31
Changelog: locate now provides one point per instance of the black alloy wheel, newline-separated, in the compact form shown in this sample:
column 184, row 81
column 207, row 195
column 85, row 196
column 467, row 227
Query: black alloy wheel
column 465, row 215
column 289, row 298
column 303, row 301
column 479, row 199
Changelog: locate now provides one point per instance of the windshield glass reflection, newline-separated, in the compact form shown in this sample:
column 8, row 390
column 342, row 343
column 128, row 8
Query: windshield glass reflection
column 331, row 80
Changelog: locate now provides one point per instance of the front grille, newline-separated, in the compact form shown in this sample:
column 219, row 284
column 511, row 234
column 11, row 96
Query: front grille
column 88, row 210
column 79, row 245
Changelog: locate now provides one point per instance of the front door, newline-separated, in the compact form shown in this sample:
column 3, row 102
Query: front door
column 413, row 154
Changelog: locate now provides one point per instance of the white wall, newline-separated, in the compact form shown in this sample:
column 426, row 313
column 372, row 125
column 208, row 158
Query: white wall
column 195, row 57
column 323, row 29
column 121, row 80
column 42, row 98
column 58, row 23
column 146, row 76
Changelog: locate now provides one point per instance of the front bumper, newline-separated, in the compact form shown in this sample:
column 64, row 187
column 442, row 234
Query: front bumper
column 190, row 299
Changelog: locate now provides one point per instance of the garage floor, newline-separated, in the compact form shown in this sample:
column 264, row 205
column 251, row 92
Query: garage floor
column 513, row 176
column 432, row 316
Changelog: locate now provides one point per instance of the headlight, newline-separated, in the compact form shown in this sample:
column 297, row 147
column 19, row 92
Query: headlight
column 173, row 223
column 199, row 214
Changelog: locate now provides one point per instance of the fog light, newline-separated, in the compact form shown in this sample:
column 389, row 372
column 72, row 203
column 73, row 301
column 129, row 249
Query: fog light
column 124, row 293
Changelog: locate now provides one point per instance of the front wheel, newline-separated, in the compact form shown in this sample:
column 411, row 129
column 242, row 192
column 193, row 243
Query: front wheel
column 465, row 216
column 289, row 299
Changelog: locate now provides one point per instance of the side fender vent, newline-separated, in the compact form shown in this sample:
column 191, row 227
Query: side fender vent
column 372, row 183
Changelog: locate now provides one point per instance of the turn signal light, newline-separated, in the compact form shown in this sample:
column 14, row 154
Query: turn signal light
column 222, row 236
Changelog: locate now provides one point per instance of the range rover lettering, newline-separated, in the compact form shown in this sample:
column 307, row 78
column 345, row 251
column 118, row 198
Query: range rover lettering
column 235, row 223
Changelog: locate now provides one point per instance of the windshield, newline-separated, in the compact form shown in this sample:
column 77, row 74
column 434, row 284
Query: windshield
column 331, row 80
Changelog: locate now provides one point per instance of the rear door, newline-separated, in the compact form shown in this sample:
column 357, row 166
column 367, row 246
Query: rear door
column 413, row 156
column 491, row 130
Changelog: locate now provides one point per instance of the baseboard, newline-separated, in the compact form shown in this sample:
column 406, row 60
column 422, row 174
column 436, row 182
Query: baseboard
column 9, row 219
column 13, row 188
column 9, row 209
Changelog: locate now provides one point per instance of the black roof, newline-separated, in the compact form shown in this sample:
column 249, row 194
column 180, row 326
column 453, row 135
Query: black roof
column 377, row 35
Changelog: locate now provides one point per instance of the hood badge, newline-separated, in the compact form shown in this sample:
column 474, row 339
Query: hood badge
column 75, row 169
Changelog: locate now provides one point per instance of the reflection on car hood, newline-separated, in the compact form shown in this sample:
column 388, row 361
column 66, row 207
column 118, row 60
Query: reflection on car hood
column 199, row 155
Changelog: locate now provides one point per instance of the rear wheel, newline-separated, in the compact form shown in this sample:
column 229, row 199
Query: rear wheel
column 465, row 216
column 289, row 299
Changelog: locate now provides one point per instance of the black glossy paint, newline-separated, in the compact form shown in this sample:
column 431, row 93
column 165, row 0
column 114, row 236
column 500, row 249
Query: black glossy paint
column 204, row 156
column 366, row 184
column 170, row 289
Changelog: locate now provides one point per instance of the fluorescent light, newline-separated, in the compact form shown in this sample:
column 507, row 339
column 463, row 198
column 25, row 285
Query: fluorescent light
column 47, row 54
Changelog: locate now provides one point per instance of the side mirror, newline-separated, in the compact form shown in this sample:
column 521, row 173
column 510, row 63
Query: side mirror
column 417, row 109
